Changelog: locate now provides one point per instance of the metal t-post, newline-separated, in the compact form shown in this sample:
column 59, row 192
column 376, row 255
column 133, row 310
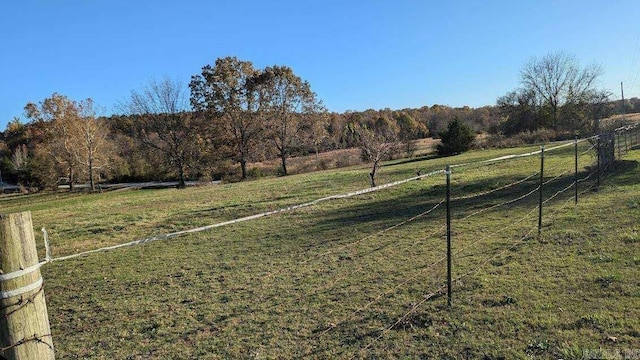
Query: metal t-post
column 448, row 175
column 540, row 190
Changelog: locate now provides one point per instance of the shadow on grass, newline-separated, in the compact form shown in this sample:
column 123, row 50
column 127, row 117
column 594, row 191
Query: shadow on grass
column 369, row 214
column 392, row 210
column 410, row 160
column 622, row 173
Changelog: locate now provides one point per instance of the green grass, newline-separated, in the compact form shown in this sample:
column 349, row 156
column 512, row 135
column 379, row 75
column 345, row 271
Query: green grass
column 343, row 278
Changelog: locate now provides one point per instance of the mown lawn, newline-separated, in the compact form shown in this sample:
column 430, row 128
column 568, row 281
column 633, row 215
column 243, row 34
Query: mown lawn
column 352, row 278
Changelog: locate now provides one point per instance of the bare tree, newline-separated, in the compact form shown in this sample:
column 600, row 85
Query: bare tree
column 163, row 123
column 558, row 80
column 377, row 141
column 94, row 147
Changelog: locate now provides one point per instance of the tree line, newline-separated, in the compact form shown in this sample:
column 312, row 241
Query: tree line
column 231, row 114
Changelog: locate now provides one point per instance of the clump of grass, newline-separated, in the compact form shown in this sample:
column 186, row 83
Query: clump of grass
column 568, row 236
column 538, row 347
column 591, row 321
column 630, row 237
column 505, row 300
column 601, row 258
column 607, row 280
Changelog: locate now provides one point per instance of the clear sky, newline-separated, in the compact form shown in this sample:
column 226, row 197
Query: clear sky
column 356, row 54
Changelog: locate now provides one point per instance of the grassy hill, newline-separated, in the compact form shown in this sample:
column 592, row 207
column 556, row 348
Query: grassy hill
column 359, row 277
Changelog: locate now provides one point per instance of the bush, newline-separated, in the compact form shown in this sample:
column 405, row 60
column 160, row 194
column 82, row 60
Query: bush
column 456, row 139
column 255, row 173
column 540, row 136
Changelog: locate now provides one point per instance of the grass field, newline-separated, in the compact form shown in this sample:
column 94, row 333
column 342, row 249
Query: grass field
column 351, row 278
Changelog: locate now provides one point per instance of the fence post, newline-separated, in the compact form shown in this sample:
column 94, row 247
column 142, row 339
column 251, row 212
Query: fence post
column 575, row 178
column 540, row 190
column 598, row 172
column 24, row 322
column 617, row 143
column 448, row 175
column 626, row 143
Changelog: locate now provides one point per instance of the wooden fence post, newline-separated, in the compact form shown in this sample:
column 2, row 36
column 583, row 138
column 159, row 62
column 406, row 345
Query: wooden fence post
column 24, row 322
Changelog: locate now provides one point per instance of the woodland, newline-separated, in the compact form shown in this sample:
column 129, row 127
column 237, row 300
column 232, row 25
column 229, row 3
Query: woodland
column 231, row 114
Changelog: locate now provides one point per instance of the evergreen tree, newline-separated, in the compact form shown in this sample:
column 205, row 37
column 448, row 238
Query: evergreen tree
column 456, row 139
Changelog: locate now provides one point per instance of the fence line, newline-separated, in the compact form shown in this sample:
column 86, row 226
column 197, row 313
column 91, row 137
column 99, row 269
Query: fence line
column 515, row 156
column 494, row 190
column 251, row 217
column 431, row 266
column 307, row 204
column 427, row 297
column 430, row 295
column 475, row 270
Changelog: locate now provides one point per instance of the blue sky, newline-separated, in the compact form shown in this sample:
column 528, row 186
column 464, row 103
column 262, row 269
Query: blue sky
column 355, row 54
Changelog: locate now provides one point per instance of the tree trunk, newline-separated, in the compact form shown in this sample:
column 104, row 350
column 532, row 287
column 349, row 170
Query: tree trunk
column 372, row 174
column 243, row 167
column 91, row 182
column 70, row 179
column 283, row 158
column 181, row 182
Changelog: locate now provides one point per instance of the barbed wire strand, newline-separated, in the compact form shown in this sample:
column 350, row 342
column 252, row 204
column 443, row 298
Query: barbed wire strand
column 407, row 280
column 588, row 150
column 515, row 156
column 422, row 239
column 246, row 218
column 441, row 288
column 473, row 271
column 413, row 309
column 359, row 268
column 518, row 198
column 413, row 218
column 279, row 271
column 508, row 202
column 381, row 295
column 294, row 207
column 426, row 298
column 479, row 194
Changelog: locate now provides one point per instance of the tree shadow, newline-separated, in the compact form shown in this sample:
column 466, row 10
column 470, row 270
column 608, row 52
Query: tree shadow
column 491, row 194
column 623, row 173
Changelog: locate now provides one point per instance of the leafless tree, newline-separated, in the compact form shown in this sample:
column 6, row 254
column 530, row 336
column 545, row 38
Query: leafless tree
column 163, row 123
column 94, row 148
column 378, row 141
column 558, row 80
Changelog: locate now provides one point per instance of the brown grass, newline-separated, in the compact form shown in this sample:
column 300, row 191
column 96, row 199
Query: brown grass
column 621, row 120
column 329, row 160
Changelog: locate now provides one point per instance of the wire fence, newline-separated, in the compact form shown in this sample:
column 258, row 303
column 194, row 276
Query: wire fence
column 475, row 193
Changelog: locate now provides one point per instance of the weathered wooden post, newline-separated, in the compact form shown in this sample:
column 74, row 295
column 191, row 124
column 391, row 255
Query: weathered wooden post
column 24, row 322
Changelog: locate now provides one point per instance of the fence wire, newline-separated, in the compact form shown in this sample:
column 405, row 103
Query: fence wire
column 435, row 234
column 440, row 290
